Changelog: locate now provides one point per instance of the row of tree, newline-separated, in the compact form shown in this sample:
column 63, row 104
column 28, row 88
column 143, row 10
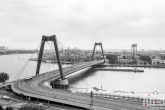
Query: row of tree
column 112, row 59
column 7, row 108
column 26, row 107
column 145, row 58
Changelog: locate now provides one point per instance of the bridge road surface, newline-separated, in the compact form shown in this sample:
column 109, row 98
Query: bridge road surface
column 35, row 88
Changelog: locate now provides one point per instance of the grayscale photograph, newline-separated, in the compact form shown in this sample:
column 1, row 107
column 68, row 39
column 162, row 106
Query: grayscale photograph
column 82, row 54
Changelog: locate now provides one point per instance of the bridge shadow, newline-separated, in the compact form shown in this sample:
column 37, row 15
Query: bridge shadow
column 80, row 76
column 74, row 78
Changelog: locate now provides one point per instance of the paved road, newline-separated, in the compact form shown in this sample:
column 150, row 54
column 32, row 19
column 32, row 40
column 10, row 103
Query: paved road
column 35, row 88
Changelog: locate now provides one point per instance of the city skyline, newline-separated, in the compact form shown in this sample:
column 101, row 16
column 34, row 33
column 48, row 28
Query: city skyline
column 117, row 24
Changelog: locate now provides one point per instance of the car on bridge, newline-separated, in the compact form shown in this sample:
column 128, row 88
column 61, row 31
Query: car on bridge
column 6, row 97
column 28, row 79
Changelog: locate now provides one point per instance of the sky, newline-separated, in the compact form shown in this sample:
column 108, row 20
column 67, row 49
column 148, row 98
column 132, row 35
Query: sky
column 80, row 23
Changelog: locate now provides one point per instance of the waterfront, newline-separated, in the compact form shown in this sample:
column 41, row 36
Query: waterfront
column 12, row 64
column 121, row 83
column 153, row 79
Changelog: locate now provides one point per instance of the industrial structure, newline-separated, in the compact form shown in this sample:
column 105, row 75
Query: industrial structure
column 96, row 44
column 134, row 50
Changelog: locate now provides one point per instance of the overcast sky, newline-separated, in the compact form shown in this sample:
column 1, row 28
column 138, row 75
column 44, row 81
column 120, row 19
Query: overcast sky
column 80, row 23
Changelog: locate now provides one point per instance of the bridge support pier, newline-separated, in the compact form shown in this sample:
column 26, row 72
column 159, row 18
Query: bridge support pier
column 60, row 84
column 63, row 82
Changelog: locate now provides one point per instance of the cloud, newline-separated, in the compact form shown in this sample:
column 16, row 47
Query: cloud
column 111, row 22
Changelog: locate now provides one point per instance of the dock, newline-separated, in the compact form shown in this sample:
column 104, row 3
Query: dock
column 129, row 65
column 116, row 69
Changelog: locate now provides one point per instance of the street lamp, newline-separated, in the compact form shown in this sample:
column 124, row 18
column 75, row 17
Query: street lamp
column 91, row 98
column 21, row 96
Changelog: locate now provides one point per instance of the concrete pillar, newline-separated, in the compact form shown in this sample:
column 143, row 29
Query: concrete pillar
column 63, row 82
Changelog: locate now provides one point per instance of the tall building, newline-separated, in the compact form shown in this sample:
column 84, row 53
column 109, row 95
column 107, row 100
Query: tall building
column 2, row 49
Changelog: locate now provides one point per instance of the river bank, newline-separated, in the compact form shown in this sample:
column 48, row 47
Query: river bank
column 13, row 64
column 117, row 69
column 128, row 65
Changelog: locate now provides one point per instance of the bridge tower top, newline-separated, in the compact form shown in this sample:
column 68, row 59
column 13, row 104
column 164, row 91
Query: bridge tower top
column 54, row 40
column 100, row 44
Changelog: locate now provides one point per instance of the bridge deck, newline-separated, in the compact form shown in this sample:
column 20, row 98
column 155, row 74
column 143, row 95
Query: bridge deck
column 35, row 88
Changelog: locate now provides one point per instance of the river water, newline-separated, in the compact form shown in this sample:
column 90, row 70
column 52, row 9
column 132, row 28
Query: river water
column 121, row 83
column 111, row 82
column 14, row 64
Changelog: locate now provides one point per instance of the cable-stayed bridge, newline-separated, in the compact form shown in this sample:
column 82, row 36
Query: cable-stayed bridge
column 35, row 87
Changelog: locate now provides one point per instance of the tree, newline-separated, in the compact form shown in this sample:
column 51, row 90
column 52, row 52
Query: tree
column 9, row 108
column 112, row 58
column 32, row 107
column 1, row 108
column 158, row 62
column 162, row 57
column 3, row 77
column 145, row 58
column 124, row 57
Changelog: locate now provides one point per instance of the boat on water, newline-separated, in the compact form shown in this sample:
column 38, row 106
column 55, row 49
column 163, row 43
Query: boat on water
column 137, row 70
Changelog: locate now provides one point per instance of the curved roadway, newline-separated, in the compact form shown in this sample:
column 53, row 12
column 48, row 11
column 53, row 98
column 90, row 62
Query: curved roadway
column 35, row 88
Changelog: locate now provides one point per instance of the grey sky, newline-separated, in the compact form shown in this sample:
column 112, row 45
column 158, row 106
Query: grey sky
column 80, row 23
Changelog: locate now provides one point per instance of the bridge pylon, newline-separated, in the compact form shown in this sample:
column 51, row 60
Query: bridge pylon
column 134, row 50
column 52, row 38
column 100, row 44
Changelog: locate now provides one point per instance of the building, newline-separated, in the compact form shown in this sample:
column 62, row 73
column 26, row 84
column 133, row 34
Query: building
column 2, row 49
column 140, row 62
column 71, row 55
column 157, row 61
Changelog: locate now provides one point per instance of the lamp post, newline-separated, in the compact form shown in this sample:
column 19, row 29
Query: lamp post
column 101, row 91
column 21, row 94
column 48, row 104
column 91, row 98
